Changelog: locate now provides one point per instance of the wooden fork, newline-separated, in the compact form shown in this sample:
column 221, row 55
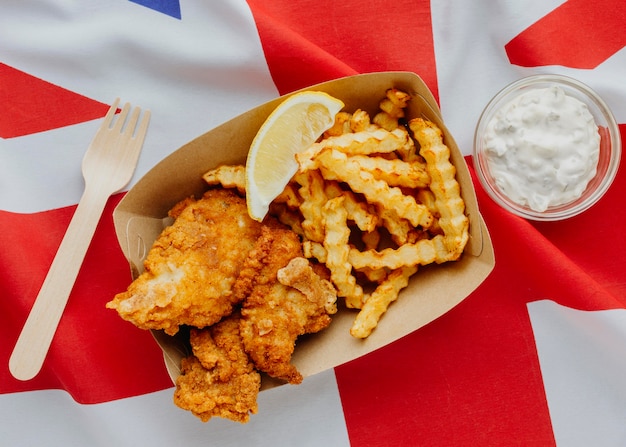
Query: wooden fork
column 107, row 167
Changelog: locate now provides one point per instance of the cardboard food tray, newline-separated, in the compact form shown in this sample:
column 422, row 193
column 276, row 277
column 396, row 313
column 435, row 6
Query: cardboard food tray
column 433, row 290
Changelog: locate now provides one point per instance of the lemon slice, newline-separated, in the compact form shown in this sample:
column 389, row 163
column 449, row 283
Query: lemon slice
column 292, row 127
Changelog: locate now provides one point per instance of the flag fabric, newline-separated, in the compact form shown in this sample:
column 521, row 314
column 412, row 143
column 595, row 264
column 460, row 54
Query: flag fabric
column 534, row 357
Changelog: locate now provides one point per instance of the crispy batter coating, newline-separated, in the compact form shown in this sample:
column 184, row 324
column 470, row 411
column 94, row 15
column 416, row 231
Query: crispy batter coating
column 300, row 275
column 273, row 314
column 192, row 266
column 218, row 379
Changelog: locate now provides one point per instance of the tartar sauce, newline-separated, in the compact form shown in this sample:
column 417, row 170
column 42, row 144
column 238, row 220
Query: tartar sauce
column 542, row 148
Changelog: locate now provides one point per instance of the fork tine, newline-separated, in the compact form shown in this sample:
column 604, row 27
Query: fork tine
column 108, row 118
column 143, row 125
column 136, row 134
column 117, row 127
column 132, row 122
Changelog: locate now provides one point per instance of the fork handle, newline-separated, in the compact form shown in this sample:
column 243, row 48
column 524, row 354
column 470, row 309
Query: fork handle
column 36, row 336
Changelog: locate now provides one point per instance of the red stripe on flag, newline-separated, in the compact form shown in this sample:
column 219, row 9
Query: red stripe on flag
column 577, row 34
column 31, row 105
column 303, row 47
column 95, row 356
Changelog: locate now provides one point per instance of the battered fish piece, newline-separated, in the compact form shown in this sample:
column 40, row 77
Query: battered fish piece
column 218, row 379
column 274, row 314
column 192, row 267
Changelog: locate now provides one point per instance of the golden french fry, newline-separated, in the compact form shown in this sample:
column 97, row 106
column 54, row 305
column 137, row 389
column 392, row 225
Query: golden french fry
column 360, row 121
column 426, row 197
column 399, row 98
column 341, row 125
column 392, row 109
column 361, row 143
column 387, row 106
column 444, row 186
column 408, row 153
column 378, row 302
column 394, row 172
column 374, row 275
column 229, row 176
column 313, row 195
column 385, row 121
column 337, row 251
column 422, row 252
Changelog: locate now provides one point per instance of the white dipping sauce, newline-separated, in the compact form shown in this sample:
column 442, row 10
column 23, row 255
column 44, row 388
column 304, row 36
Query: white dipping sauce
column 542, row 148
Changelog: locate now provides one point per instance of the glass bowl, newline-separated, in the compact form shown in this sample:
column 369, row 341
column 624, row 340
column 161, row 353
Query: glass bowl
column 608, row 157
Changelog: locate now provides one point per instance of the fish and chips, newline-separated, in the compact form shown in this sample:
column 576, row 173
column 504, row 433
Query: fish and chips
column 374, row 199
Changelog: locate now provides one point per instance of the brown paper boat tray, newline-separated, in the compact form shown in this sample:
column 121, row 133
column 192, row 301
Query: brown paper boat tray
column 433, row 290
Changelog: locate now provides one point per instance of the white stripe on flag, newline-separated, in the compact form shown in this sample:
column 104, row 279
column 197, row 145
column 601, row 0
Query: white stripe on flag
column 583, row 364
column 309, row 414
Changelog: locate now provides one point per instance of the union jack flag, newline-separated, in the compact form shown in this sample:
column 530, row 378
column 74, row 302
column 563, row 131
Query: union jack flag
column 535, row 356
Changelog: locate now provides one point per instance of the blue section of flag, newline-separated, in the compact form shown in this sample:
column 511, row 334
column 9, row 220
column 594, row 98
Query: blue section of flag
column 169, row 7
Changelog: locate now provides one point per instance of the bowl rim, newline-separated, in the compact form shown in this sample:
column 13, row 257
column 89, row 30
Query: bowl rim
column 612, row 144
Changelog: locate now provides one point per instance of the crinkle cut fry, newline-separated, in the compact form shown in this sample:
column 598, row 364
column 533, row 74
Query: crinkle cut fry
column 338, row 166
column 444, row 186
column 229, row 176
column 340, row 126
column 314, row 198
column 397, row 97
column 395, row 172
column 392, row 108
column 360, row 143
column 428, row 199
column 337, row 252
column 378, row 302
column 360, row 121
column 422, row 252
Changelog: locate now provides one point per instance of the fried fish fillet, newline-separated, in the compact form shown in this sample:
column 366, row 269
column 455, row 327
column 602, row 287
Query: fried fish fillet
column 218, row 379
column 192, row 266
column 275, row 314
